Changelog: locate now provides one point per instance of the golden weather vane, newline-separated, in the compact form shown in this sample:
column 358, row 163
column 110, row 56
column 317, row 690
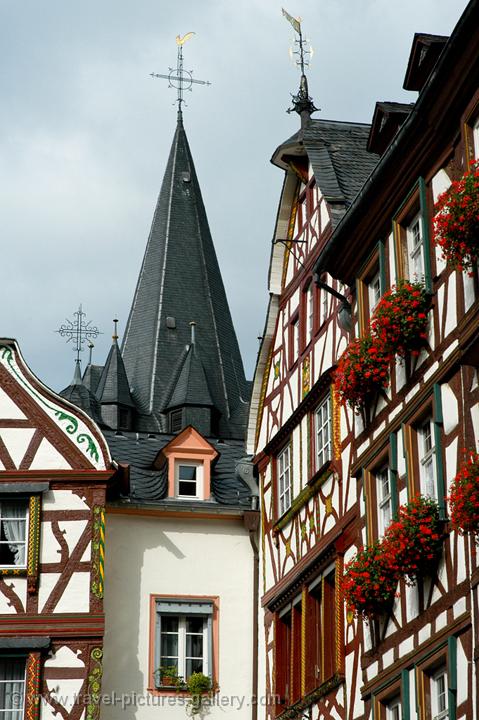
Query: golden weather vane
column 178, row 77
column 302, row 102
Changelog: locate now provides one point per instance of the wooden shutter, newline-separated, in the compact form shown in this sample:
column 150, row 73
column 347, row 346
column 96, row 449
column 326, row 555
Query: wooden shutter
column 426, row 242
column 329, row 626
column 438, row 429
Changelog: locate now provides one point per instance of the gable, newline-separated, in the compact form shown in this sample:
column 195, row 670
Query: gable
column 38, row 429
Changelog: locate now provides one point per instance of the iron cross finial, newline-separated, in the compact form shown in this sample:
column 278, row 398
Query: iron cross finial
column 78, row 331
column 178, row 77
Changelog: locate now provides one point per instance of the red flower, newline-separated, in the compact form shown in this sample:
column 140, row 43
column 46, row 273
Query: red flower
column 464, row 497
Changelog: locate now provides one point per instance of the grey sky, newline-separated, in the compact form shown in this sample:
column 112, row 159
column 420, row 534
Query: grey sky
column 85, row 135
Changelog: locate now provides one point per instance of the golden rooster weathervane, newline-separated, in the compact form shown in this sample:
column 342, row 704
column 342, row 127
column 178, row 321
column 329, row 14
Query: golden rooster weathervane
column 178, row 77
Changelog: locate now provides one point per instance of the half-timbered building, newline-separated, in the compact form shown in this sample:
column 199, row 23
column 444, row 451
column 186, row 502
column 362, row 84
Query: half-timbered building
column 55, row 472
column 355, row 218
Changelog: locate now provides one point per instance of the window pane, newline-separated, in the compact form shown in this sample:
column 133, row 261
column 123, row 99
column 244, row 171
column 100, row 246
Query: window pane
column 12, row 681
column 187, row 472
column 169, row 645
column 185, row 487
column 193, row 666
column 169, row 623
column 194, row 624
column 194, row 646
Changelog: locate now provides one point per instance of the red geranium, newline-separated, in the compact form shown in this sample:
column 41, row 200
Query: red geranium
column 464, row 497
column 369, row 584
column 400, row 319
column 414, row 540
column 362, row 370
column 456, row 224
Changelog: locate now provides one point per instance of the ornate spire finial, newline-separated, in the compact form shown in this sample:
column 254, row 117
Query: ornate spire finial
column 114, row 337
column 302, row 102
column 193, row 331
column 178, row 77
column 78, row 331
column 90, row 354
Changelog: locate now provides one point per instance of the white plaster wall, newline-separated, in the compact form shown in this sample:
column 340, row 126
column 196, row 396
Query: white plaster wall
column 175, row 557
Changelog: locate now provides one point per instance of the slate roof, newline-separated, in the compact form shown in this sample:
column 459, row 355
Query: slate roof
column 180, row 279
column 337, row 152
column 91, row 377
column 78, row 394
column 150, row 485
column 191, row 385
column 113, row 386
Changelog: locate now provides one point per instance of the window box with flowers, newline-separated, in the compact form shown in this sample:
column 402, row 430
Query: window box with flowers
column 362, row 371
column 409, row 549
column 400, row 319
column 398, row 327
column 464, row 496
column 456, row 222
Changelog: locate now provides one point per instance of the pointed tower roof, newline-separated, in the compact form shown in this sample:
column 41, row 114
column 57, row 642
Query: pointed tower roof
column 180, row 282
column 78, row 394
column 113, row 387
column 191, row 388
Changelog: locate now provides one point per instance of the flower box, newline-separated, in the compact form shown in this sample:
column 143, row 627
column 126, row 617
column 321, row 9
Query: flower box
column 363, row 370
column 400, row 319
column 456, row 223
column 464, row 496
column 369, row 584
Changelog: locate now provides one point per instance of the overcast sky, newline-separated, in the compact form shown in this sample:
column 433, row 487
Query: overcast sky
column 85, row 135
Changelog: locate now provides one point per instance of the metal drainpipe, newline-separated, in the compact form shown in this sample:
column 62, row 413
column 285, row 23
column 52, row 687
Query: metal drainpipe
column 251, row 523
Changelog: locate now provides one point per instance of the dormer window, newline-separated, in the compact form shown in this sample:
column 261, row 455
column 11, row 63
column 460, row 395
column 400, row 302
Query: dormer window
column 176, row 420
column 189, row 480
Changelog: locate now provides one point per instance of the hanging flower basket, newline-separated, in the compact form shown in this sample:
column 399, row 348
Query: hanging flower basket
column 363, row 370
column 400, row 319
column 369, row 584
column 414, row 541
column 456, row 224
column 464, row 497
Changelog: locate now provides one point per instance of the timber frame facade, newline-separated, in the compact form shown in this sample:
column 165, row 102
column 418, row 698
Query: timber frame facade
column 347, row 224
column 55, row 470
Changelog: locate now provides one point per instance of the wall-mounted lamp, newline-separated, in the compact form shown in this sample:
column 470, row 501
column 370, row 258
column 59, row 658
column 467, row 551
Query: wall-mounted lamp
column 345, row 319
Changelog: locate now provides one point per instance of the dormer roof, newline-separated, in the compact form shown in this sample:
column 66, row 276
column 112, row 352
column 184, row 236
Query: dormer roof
column 425, row 52
column 387, row 119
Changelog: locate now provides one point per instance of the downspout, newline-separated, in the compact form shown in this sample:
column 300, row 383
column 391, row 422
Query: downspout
column 251, row 523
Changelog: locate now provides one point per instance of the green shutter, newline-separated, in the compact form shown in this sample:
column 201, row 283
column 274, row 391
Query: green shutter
column 405, row 706
column 452, row 676
column 425, row 234
column 393, row 472
column 382, row 266
column 438, row 420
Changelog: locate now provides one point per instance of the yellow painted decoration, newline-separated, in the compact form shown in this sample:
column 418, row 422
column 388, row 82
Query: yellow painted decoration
column 328, row 505
column 336, row 423
column 306, row 376
column 349, row 617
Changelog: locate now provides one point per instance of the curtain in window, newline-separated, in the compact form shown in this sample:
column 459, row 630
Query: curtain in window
column 14, row 527
column 12, row 686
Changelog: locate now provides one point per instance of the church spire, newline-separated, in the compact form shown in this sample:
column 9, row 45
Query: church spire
column 180, row 280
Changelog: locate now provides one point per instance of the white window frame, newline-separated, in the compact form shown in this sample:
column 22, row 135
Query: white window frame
column 182, row 658
column 385, row 501
column 415, row 249
column 475, row 138
column 374, row 291
column 427, row 459
column 198, row 480
column 309, row 313
column 295, row 340
column 393, row 709
column 323, row 433
column 24, row 501
column 439, row 696
column 285, row 489
column 18, row 713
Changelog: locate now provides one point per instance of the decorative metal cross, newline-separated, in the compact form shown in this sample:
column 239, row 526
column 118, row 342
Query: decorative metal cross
column 78, row 331
column 179, row 78
column 301, row 101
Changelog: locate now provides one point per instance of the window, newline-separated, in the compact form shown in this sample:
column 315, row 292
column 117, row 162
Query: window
column 294, row 340
column 284, row 479
column 12, row 687
column 385, row 500
column 183, row 638
column 374, row 291
column 13, row 533
column 427, row 459
column 310, row 619
column 322, row 430
column 439, row 705
column 393, row 709
column 188, row 479
column 415, row 249
column 176, row 420
column 475, row 138
column 309, row 312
